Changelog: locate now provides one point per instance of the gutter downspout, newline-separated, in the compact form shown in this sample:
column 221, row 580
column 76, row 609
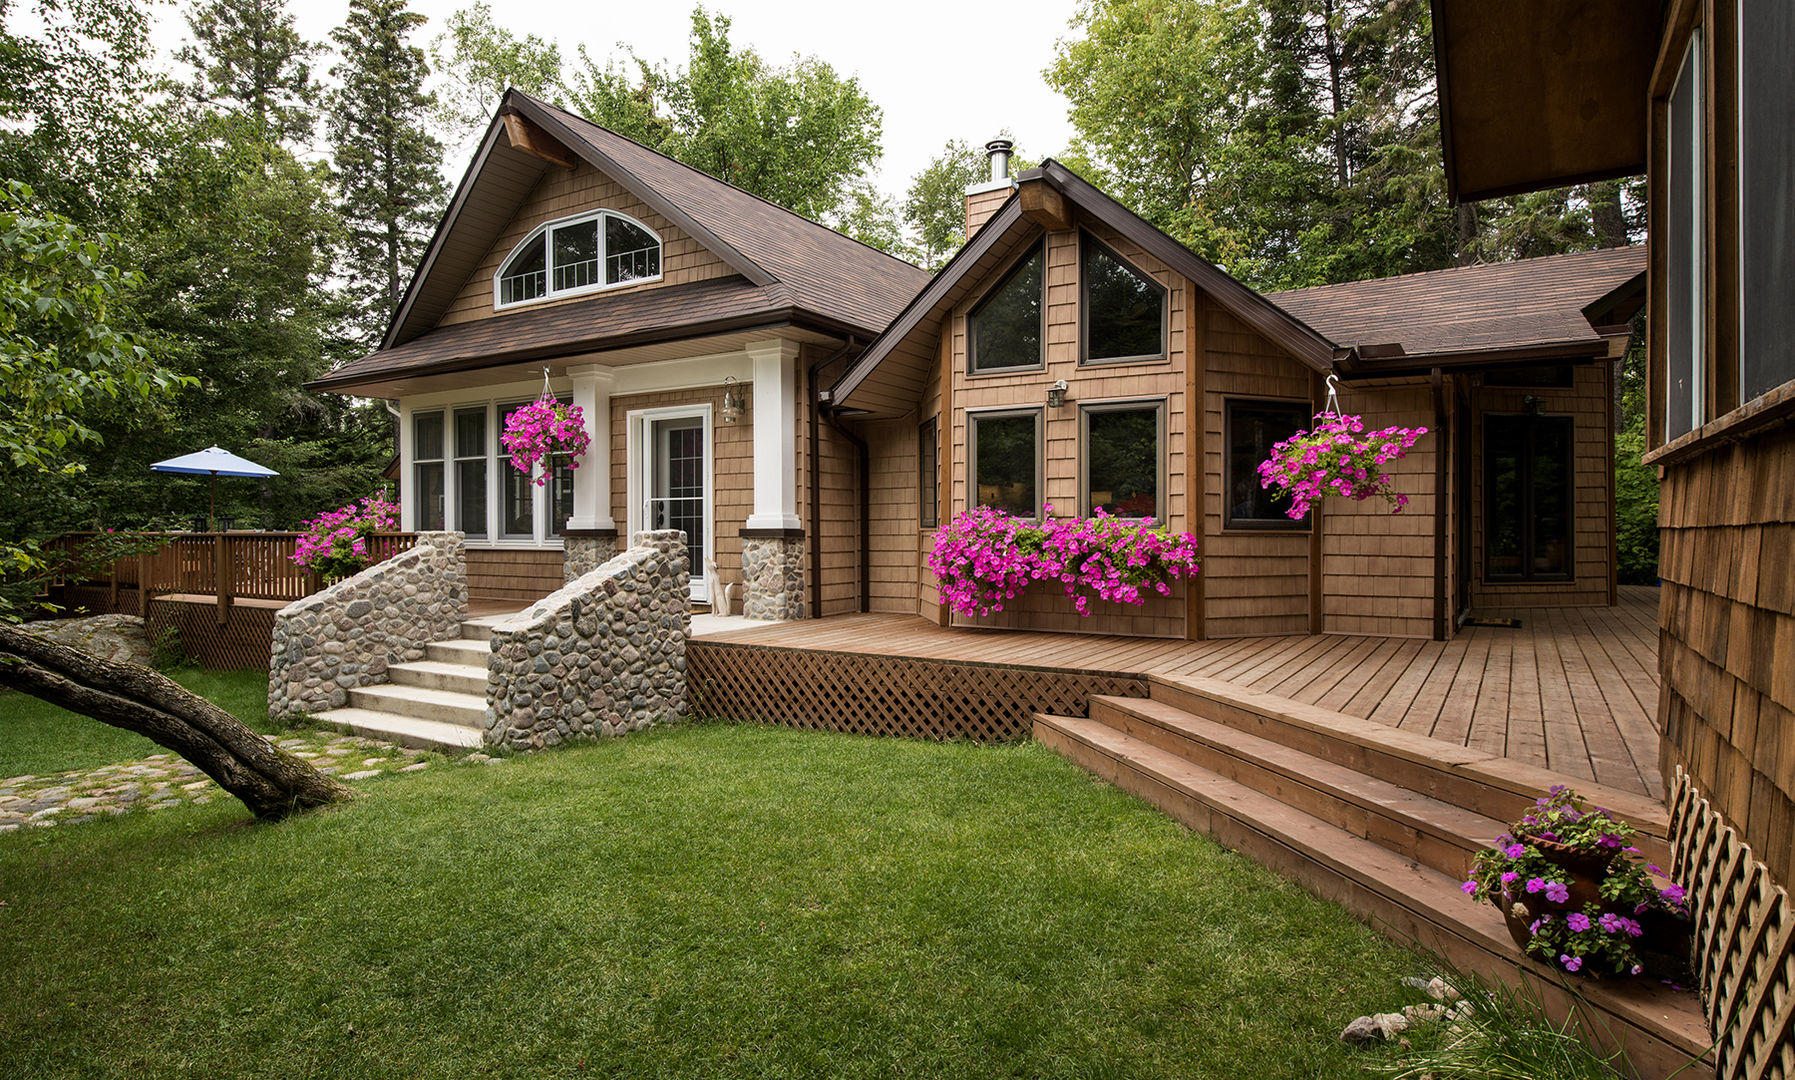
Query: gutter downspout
column 816, row 487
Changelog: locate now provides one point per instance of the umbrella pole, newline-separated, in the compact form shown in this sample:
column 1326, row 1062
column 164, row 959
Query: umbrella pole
column 212, row 517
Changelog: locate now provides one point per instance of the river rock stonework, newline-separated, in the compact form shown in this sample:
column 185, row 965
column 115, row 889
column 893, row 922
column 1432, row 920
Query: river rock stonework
column 345, row 636
column 580, row 555
column 604, row 656
column 773, row 576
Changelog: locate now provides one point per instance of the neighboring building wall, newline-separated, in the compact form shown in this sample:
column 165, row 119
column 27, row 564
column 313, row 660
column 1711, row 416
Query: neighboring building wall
column 514, row 575
column 565, row 192
column 893, row 568
column 1255, row 582
column 1590, row 402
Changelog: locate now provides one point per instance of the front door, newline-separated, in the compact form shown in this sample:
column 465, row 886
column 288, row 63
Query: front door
column 677, row 483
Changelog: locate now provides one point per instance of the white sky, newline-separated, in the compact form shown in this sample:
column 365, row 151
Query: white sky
column 940, row 70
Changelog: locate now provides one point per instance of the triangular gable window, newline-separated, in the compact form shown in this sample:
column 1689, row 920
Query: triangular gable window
column 576, row 255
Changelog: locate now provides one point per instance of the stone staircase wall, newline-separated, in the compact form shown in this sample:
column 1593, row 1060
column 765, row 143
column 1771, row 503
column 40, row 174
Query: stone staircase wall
column 603, row 656
column 346, row 636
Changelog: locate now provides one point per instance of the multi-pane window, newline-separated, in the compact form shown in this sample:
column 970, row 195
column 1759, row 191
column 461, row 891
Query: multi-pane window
column 470, row 471
column 1004, row 331
column 427, row 470
column 578, row 255
column 560, row 494
column 1527, row 462
column 1124, row 309
column 517, row 510
column 1685, row 247
column 928, row 479
column 1251, row 429
column 1766, row 195
column 1004, row 451
column 1122, row 472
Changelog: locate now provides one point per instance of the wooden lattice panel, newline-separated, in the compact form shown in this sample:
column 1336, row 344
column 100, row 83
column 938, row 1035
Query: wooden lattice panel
column 1744, row 941
column 242, row 642
column 888, row 695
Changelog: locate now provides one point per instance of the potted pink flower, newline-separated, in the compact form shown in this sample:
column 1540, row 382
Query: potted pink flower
column 541, row 429
column 1338, row 458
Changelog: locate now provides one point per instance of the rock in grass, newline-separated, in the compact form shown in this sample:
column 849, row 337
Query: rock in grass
column 1362, row 1032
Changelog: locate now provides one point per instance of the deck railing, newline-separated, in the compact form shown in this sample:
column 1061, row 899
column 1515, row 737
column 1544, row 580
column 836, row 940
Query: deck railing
column 223, row 566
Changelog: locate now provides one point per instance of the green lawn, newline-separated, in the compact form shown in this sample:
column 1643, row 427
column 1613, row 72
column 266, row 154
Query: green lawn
column 37, row 737
column 702, row 901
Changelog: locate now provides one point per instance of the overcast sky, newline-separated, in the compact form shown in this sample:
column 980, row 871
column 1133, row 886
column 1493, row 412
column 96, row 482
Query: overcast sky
column 939, row 69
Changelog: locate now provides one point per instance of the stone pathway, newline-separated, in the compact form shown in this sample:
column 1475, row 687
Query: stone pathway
column 164, row 780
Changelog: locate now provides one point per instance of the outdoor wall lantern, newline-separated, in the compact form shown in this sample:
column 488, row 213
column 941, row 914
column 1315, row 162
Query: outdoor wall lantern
column 735, row 403
column 1056, row 394
column 1535, row 405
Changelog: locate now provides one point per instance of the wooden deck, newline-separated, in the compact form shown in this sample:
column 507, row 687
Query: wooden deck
column 1574, row 690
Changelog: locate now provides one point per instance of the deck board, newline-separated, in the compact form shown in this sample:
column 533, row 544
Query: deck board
column 1572, row 689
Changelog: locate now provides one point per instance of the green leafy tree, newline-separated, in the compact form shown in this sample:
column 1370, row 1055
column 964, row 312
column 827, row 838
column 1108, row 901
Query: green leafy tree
column 935, row 203
column 388, row 164
column 252, row 62
column 477, row 60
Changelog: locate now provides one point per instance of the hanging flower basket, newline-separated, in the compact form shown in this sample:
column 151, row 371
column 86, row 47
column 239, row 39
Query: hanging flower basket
column 337, row 543
column 985, row 558
column 541, row 429
column 1339, row 457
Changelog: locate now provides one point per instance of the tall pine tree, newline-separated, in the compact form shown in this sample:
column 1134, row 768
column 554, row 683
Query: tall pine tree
column 388, row 164
column 251, row 61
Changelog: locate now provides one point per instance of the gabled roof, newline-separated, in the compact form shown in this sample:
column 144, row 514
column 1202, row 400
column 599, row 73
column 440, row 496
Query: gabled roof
column 802, row 270
column 1532, row 307
column 887, row 377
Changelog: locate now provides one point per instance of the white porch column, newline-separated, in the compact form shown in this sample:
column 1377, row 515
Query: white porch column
column 775, row 419
column 592, row 480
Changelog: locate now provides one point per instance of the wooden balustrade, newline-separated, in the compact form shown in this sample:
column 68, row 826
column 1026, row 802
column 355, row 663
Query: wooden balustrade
column 225, row 567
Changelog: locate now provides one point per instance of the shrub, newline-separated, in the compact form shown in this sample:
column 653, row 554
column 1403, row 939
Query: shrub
column 335, row 543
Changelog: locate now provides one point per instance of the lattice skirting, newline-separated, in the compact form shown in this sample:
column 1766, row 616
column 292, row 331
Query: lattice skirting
column 243, row 641
column 1744, row 940
column 97, row 600
column 887, row 695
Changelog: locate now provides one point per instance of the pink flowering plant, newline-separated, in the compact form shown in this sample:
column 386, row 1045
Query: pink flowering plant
column 338, row 543
column 542, row 428
column 1339, row 457
column 985, row 558
column 1605, row 928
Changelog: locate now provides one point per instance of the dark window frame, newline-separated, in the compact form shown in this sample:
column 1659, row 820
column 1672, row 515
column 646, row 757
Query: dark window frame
column 1156, row 405
column 1524, row 469
column 1085, row 243
column 1281, row 523
column 1039, row 414
column 928, row 477
column 1037, row 247
column 1515, row 377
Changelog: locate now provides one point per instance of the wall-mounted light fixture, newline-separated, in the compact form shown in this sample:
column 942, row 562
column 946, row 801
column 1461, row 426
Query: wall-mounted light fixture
column 735, row 403
column 1534, row 404
column 1056, row 394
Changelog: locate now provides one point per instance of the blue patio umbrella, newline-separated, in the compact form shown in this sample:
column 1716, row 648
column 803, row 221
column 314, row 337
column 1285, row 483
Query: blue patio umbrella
column 218, row 462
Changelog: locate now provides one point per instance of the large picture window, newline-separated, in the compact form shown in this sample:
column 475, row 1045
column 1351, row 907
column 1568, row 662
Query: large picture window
column 1685, row 246
column 1124, row 310
column 928, row 478
column 1250, row 428
column 1766, row 195
column 1004, row 332
column 427, row 470
column 1527, row 468
column 576, row 255
column 1004, row 460
column 1123, row 456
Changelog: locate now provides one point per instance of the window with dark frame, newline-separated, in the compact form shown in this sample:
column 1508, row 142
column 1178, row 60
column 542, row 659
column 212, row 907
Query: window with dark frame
column 1766, row 196
column 1685, row 249
column 928, row 478
column 1528, row 463
column 427, row 470
column 1004, row 461
column 1123, row 310
column 1123, row 458
column 1545, row 376
column 1004, row 331
column 1250, row 428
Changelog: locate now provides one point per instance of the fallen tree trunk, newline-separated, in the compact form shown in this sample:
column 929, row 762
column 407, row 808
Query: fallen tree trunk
column 267, row 779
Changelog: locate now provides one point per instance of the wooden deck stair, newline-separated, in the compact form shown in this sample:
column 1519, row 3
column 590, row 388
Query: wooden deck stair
column 438, row 703
column 1382, row 821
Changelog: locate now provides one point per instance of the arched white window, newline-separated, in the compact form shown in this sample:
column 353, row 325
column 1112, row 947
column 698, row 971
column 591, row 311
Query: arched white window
column 575, row 255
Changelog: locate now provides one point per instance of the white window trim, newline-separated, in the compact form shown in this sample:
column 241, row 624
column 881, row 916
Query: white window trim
column 636, row 482
column 550, row 292
column 541, row 537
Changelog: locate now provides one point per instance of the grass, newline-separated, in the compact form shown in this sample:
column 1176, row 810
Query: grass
column 717, row 901
column 38, row 738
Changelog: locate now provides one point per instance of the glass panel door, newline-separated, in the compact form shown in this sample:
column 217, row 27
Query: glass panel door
column 676, row 488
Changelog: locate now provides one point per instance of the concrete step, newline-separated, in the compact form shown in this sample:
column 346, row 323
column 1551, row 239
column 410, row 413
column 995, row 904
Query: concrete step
column 1439, row 835
column 480, row 629
column 1484, row 783
column 1660, row 1029
column 459, row 651
column 404, row 730
column 454, row 676
column 421, row 703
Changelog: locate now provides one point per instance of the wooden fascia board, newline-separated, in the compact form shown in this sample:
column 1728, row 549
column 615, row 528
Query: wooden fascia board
column 537, row 143
column 444, row 227
column 933, row 294
column 1273, row 322
column 1424, row 363
column 604, row 163
column 1443, row 96
column 1043, row 204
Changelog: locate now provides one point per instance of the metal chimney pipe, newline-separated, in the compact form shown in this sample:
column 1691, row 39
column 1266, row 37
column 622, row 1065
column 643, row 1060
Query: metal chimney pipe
column 998, row 150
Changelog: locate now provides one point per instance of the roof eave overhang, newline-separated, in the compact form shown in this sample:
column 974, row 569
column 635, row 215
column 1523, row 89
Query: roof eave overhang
column 1423, row 363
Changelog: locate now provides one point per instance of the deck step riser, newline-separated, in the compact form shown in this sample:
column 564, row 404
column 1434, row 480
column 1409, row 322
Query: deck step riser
column 470, row 713
column 1438, row 849
column 469, row 680
column 1414, row 907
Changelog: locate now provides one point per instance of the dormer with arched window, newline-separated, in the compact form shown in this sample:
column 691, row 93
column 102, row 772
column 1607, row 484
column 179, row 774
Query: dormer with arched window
column 597, row 250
